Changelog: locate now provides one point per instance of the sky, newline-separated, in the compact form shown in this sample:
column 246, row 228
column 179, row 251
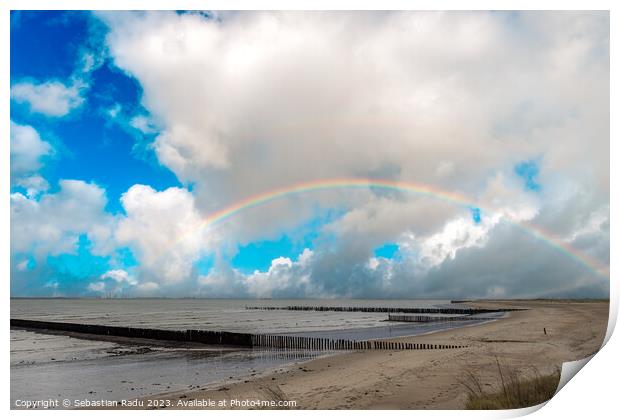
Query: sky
column 310, row 154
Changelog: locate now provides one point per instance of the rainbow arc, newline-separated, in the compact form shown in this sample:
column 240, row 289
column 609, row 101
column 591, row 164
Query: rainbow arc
column 256, row 200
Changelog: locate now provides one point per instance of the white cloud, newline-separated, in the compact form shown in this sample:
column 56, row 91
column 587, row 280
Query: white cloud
column 22, row 265
column 98, row 286
column 277, row 278
column 444, row 169
column 456, row 234
column 51, row 98
column 147, row 288
column 162, row 227
column 143, row 124
column 373, row 263
column 114, row 282
column 303, row 96
column 52, row 224
column 284, row 277
column 119, row 276
column 27, row 150
column 34, row 185
column 114, row 111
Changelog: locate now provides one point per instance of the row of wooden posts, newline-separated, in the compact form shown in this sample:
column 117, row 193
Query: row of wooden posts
column 224, row 338
column 424, row 318
column 312, row 343
column 456, row 311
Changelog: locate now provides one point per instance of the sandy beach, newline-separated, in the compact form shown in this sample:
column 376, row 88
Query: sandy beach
column 429, row 379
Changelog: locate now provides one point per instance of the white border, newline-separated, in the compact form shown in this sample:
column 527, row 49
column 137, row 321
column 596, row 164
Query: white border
column 591, row 395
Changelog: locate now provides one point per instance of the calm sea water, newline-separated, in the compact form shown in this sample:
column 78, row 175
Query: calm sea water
column 54, row 366
column 210, row 314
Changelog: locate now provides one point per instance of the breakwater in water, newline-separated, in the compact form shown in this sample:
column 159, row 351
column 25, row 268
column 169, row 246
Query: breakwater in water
column 424, row 318
column 455, row 311
column 226, row 338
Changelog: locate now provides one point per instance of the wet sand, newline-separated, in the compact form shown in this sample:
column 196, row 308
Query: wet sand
column 383, row 379
column 46, row 364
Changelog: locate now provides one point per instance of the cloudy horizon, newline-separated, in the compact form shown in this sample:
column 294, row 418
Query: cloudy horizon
column 131, row 130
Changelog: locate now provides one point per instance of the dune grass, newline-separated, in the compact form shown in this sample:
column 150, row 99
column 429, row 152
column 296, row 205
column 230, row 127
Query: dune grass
column 515, row 390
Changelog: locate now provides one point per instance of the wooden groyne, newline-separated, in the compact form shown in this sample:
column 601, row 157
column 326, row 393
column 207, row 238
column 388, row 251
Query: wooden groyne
column 424, row 318
column 453, row 311
column 226, row 338
column 312, row 343
column 194, row 336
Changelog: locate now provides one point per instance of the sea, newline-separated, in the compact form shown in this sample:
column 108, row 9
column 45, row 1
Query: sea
column 45, row 366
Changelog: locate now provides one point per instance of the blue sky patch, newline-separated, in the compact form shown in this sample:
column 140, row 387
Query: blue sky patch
column 46, row 45
column 529, row 171
column 475, row 214
column 125, row 258
column 90, row 144
column 258, row 255
column 205, row 264
column 387, row 250
column 80, row 265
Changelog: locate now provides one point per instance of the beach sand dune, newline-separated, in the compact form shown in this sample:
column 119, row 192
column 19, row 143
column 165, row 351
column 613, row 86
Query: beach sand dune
column 431, row 379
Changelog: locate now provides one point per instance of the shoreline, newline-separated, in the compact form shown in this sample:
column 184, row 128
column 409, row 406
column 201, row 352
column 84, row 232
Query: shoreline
column 393, row 379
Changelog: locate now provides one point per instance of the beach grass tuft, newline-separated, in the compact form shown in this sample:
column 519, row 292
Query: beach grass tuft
column 515, row 390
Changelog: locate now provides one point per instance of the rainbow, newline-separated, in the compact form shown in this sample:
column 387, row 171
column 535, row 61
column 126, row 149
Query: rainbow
column 419, row 189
